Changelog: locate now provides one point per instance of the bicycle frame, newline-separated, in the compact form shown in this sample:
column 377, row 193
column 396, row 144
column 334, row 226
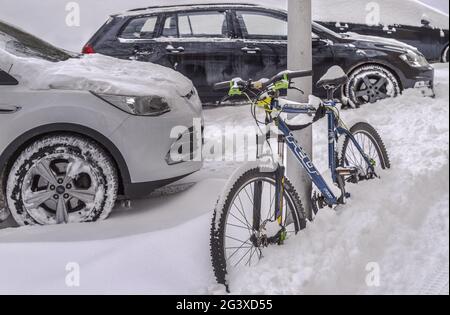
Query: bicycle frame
column 334, row 132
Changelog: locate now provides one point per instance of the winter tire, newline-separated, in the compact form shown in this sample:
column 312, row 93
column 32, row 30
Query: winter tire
column 369, row 84
column 372, row 144
column 61, row 179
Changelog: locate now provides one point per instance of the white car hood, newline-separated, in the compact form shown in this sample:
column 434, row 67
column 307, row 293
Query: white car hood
column 97, row 73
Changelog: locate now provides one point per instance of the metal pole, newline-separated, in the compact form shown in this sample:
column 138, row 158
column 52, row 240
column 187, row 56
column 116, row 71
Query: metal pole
column 300, row 58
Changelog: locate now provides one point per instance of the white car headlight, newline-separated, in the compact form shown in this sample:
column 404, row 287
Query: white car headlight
column 414, row 59
column 138, row 105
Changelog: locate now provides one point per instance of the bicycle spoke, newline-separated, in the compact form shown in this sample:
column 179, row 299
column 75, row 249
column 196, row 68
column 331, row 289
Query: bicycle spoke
column 242, row 213
column 251, row 256
column 248, row 227
column 238, row 240
column 240, row 247
column 354, row 155
column 238, row 226
column 242, row 258
column 249, row 198
column 237, row 250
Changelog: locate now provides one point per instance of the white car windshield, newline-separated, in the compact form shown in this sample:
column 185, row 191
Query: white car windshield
column 22, row 44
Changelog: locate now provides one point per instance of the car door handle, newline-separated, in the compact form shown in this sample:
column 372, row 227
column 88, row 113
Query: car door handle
column 143, row 52
column 251, row 50
column 174, row 50
column 8, row 109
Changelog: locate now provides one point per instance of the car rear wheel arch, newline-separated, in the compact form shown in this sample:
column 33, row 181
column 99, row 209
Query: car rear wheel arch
column 13, row 151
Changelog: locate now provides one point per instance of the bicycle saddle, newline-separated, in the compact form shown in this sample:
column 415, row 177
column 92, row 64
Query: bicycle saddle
column 333, row 79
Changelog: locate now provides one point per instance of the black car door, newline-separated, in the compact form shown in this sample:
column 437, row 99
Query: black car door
column 203, row 48
column 139, row 40
column 262, row 48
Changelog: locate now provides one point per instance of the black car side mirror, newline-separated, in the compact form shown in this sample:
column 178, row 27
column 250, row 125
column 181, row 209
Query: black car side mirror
column 425, row 22
column 319, row 42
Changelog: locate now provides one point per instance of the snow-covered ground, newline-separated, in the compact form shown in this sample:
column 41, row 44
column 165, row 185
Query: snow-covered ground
column 161, row 245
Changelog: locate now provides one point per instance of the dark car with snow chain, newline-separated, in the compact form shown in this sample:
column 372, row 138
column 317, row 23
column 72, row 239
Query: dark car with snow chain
column 77, row 132
column 214, row 43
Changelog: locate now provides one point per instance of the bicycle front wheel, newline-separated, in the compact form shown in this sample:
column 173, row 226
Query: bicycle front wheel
column 250, row 203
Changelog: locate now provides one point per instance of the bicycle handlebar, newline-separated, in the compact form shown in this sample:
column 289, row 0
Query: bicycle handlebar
column 222, row 85
column 290, row 76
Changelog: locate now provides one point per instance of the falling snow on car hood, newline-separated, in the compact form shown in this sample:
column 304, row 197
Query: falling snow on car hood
column 96, row 73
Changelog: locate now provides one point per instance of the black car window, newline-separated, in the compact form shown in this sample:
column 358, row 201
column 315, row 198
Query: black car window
column 7, row 79
column 261, row 25
column 20, row 43
column 170, row 28
column 140, row 28
column 203, row 24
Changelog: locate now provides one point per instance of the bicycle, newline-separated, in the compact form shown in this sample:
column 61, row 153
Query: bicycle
column 262, row 208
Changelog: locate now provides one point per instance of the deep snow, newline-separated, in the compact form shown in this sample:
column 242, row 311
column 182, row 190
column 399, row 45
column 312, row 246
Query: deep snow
column 161, row 245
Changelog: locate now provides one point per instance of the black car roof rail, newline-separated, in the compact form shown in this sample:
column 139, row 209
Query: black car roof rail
column 195, row 5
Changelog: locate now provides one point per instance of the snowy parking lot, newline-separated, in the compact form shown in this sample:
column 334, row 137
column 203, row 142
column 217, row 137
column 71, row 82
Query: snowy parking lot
column 161, row 245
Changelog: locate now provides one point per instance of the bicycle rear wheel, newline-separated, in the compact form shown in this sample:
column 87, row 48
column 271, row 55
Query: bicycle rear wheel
column 234, row 241
column 371, row 143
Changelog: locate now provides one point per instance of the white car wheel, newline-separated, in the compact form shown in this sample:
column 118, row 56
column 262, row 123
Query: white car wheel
column 61, row 179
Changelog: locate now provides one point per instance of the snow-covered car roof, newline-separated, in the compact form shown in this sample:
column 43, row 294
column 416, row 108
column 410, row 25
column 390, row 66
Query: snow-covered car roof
column 391, row 12
column 97, row 73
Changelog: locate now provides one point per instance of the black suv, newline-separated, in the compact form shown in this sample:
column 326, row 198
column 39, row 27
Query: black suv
column 216, row 42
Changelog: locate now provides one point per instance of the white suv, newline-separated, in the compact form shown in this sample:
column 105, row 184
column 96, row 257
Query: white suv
column 77, row 131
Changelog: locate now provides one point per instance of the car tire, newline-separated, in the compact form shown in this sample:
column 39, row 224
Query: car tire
column 61, row 179
column 369, row 84
column 445, row 55
column 4, row 214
